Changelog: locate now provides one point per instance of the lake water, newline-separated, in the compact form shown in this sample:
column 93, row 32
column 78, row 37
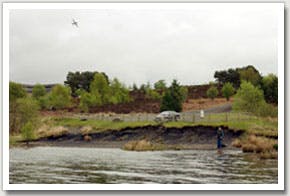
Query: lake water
column 105, row 165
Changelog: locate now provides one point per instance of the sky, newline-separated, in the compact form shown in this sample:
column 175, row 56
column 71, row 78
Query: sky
column 142, row 45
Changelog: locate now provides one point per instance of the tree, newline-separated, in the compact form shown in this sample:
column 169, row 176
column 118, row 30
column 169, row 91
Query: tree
column 184, row 93
column 228, row 90
column 212, row 92
column 230, row 75
column 173, row 98
column 26, row 109
column 248, row 98
column 119, row 92
column 88, row 100
column 135, row 88
column 270, row 88
column 38, row 91
column 250, row 74
column 59, row 97
column 81, row 80
column 27, row 132
column 100, row 87
column 160, row 85
column 167, row 102
column 16, row 91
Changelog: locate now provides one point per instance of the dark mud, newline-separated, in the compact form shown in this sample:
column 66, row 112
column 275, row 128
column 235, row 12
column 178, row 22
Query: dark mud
column 196, row 137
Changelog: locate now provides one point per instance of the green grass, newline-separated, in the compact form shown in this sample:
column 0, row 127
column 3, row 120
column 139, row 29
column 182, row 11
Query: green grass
column 14, row 139
column 236, row 121
column 98, row 125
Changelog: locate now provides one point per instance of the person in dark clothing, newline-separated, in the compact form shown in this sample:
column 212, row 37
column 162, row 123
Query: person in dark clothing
column 220, row 136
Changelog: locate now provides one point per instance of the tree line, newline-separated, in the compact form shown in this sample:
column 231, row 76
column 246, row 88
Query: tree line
column 253, row 92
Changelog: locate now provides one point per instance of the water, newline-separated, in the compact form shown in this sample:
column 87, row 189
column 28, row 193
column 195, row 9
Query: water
column 105, row 165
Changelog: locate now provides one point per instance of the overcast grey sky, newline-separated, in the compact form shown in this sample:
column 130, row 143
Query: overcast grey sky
column 139, row 46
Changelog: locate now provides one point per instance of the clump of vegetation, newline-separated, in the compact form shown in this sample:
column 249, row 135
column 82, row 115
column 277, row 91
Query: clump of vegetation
column 261, row 145
column 237, row 143
column 251, row 99
column 86, row 130
column 59, row 97
column 250, row 74
column 145, row 145
column 119, row 92
column 88, row 100
column 16, row 91
column 230, row 76
column 228, row 90
column 173, row 98
column 81, row 80
column 51, row 131
column 27, row 132
column 22, row 111
column 102, row 92
column 212, row 92
column 38, row 91
column 270, row 88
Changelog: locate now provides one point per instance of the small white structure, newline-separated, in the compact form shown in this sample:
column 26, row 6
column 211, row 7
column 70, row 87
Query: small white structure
column 201, row 114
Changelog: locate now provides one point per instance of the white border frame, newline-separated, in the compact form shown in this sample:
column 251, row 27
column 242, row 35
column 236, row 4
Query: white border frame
column 6, row 186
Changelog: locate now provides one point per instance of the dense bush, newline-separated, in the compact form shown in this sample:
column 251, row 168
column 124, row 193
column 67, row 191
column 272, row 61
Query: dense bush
column 228, row 90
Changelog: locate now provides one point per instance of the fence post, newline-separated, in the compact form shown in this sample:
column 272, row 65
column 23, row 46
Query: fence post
column 193, row 117
column 226, row 116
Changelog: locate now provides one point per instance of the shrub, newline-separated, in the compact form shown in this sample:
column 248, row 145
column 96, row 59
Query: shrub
column 152, row 94
column 16, row 91
column 26, row 110
column 59, row 97
column 266, row 109
column 248, row 98
column 119, row 92
column 38, row 91
column 27, row 132
column 88, row 100
column 228, row 90
column 212, row 92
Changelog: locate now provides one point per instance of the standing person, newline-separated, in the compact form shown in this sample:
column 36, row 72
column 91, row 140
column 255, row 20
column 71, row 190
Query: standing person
column 220, row 136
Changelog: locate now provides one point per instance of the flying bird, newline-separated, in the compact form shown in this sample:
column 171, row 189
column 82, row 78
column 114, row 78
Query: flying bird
column 74, row 23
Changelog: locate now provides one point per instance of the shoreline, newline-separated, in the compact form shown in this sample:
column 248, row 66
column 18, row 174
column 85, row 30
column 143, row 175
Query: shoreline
column 156, row 137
